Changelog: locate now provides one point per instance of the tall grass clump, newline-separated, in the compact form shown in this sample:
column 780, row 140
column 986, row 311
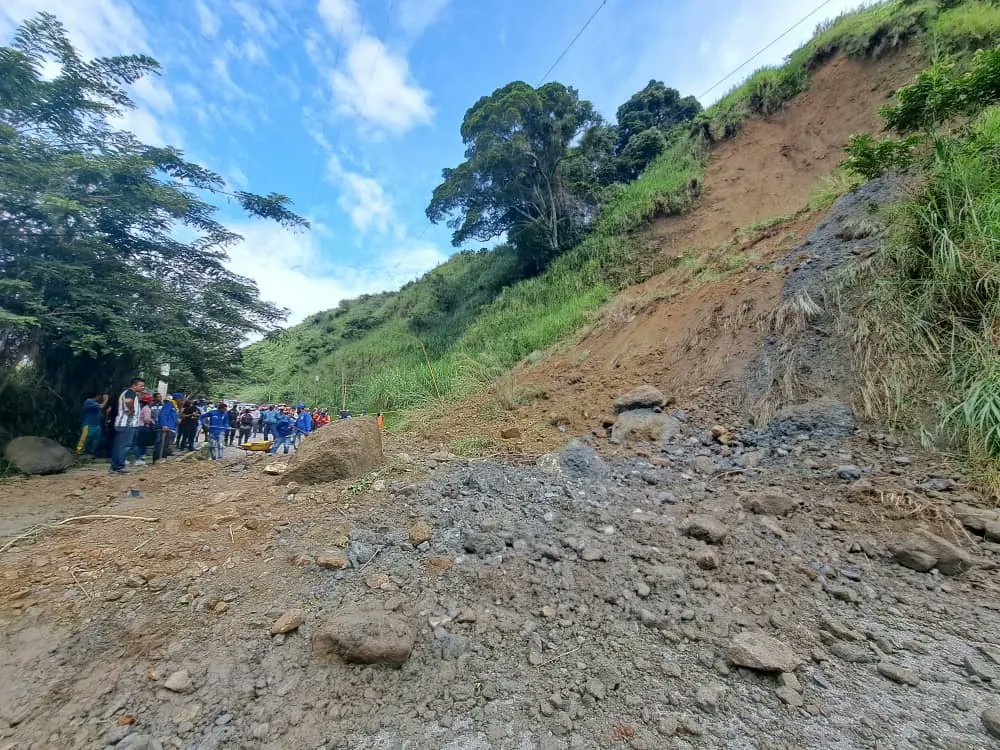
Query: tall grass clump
column 929, row 323
column 968, row 25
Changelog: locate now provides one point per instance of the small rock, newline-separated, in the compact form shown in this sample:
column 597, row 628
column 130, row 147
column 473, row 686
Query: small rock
column 706, row 559
column 991, row 720
column 789, row 680
column 420, row 532
column 848, row 472
column 756, row 650
column 709, row 696
column 591, row 554
column 981, row 669
column 288, row 622
column 898, row 674
column 789, row 696
column 923, row 550
column 596, row 689
column 376, row 580
column 704, row 465
column 851, row 653
column 332, row 561
column 772, row 502
column 276, row 468
column 706, row 528
column 179, row 682
column 511, row 433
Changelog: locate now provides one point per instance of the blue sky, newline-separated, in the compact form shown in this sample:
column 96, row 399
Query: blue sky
column 352, row 107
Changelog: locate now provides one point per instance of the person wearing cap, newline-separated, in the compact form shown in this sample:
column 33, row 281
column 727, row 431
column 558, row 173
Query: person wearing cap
column 216, row 424
column 303, row 423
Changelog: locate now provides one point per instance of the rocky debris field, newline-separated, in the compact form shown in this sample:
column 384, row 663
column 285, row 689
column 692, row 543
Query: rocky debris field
column 811, row 585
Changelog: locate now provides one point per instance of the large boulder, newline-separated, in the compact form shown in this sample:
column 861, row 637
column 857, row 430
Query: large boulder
column 341, row 450
column 361, row 634
column 644, row 426
column 643, row 397
column 38, row 455
column 922, row 551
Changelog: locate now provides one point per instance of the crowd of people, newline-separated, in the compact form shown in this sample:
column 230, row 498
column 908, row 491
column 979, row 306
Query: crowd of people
column 139, row 423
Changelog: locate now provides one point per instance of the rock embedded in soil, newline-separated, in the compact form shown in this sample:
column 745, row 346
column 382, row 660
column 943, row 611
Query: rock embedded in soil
column 276, row 468
column 37, row 455
column 759, row 651
column 642, row 397
column 922, row 551
column 898, row 674
column 366, row 635
column 288, row 622
column 790, row 696
column 332, row 561
column 645, row 426
column 771, row 502
column 179, row 682
column 705, row 528
column 420, row 532
column 511, row 433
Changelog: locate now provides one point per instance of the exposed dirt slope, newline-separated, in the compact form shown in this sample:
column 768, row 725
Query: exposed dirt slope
column 683, row 336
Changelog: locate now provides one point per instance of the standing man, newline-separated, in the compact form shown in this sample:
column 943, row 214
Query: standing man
column 90, row 425
column 245, row 426
column 190, row 416
column 303, row 423
column 233, row 426
column 127, row 423
column 283, row 426
column 168, row 421
column 216, row 424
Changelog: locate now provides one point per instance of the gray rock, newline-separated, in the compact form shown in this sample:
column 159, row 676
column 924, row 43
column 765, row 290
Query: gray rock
column 179, row 682
column 705, row 528
column 481, row 543
column 366, row 635
column 756, row 650
column 789, row 696
column 596, row 689
column 590, row 553
column 580, row 461
column 642, row 397
column 709, row 696
column 898, row 674
column 848, row 472
column 139, row 742
column 981, row 668
column 37, row 455
column 991, row 720
column 921, row 547
column 851, row 653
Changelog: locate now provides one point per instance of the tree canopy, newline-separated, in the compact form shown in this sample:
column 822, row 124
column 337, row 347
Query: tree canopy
column 111, row 258
column 514, row 177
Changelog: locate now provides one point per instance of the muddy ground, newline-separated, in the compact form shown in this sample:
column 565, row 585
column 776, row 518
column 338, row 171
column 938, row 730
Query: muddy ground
column 559, row 602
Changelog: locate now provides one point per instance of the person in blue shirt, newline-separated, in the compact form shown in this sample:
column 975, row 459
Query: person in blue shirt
column 303, row 423
column 283, row 427
column 90, row 425
column 268, row 417
column 167, row 421
column 216, row 424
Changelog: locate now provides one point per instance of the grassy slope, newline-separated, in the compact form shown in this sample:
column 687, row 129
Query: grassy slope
column 439, row 334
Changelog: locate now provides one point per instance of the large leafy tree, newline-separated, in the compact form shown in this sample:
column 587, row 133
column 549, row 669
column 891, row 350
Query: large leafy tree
column 654, row 106
column 110, row 256
column 515, row 175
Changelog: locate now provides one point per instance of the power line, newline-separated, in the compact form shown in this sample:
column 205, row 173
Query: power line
column 573, row 41
column 768, row 46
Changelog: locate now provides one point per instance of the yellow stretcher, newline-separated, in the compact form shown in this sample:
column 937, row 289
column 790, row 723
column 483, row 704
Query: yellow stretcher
column 257, row 445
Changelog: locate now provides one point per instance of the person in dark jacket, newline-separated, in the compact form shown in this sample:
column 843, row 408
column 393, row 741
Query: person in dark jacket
column 233, row 426
column 168, row 421
column 190, row 417
column 90, row 425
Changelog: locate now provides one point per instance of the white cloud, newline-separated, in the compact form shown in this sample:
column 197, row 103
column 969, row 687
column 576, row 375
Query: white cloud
column 416, row 16
column 255, row 19
column 375, row 86
column 208, row 21
column 367, row 80
column 363, row 198
column 290, row 270
column 341, row 18
column 253, row 52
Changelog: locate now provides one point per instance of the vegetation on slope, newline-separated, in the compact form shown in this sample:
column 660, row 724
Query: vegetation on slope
column 927, row 337
column 388, row 368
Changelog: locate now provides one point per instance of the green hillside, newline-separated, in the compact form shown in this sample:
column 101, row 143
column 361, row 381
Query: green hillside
column 484, row 311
